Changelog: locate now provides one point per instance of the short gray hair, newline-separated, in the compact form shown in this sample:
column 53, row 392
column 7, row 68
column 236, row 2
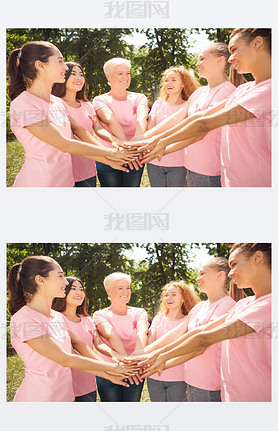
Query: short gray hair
column 113, row 62
column 110, row 280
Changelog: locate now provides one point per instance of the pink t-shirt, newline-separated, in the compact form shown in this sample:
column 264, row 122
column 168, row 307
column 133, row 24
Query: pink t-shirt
column 124, row 326
column 44, row 165
column 246, row 361
column 44, row 380
column 83, row 383
column 162, row 325
column 203, row 156
column 204, row 371
column 161, row 109
column 125, row 111
column 82, row 167
column 246, row 146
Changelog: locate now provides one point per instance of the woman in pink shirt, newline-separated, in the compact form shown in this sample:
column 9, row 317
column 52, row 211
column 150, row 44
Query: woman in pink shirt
column 125, row 329
column 42, row 125
column 42, row 338
column 245, row 331
column 202, row 374
column 125, row 114
column 177, row 300
column 245, row 155
column 177, row 85
column 73, row 93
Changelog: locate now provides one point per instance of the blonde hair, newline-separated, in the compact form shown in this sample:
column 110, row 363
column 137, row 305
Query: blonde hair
column 110, row 280
column 113, row 62
column 190, row 299
column 219, row 49
column 189, row 82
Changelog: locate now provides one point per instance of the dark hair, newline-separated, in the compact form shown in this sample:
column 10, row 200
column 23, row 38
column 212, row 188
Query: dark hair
column 249, row 34
column 221, row 264
column 59, row 89
column 60, row 304
column 220, row 49
column 250, row 248
column 21, row 65
column 21, row 280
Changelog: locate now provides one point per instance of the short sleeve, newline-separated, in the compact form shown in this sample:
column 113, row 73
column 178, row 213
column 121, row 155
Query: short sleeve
column 257, row 101
column 155, row 322
column 24, row 327
column 257, row 315
column 141, row 100
column 99, row 103
column 155, row 108
column 24, row 112
column 99, row 317
column 141, row 314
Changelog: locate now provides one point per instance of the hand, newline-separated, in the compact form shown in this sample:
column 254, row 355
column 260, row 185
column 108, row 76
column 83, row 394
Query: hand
column 118, row 380
column 123, row 155
column 116, row 165
column 135, row 379
column 134, row 164
column 157, row 152
column 126, row 370
column 144, row 144
column 145, row 359
column 157, row 367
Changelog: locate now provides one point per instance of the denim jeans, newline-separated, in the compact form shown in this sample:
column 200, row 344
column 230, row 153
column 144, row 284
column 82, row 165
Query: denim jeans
column 198, row 180
column 89, row 182
column 91, row 397
column 109, row 177
column 166, row 391
column 111, row 392
column 201, row 395
column 163, row 176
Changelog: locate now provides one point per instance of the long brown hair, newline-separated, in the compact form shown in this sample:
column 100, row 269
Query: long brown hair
column 21, row 280
column 189, row 82
column 21, row 65
column 59, row 89
column 190, row 299
column 60, row 304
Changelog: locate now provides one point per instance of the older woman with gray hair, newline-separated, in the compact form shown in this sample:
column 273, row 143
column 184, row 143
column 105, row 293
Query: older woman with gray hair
column 123, row 327
column 124, row 113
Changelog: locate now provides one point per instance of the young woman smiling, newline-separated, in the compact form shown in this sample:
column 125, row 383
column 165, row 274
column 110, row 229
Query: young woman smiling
column 41, row 123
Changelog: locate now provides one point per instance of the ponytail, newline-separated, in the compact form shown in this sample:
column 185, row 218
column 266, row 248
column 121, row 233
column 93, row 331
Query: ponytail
column 16, row 292
column 21, row 280
column 16, row 79
column 235, row 292
column 235, row 78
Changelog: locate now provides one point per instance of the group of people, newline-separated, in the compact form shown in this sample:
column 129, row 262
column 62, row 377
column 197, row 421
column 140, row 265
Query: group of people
column 210, row 136
column 212, row 350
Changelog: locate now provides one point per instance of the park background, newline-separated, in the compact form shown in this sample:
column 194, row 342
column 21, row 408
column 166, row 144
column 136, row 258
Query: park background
column 150, row 265
column 150, row 50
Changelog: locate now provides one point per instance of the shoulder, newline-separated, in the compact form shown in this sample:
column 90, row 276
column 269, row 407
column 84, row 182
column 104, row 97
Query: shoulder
column 28, row 99
column 137, row 97
column 138, row 312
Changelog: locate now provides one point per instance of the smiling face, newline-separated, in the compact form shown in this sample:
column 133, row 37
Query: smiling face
column 173, row 83
column 173, row 298
column 54, row 69
column 120, row 292
column 54, row 284
column 207, row 278
column 76, row 294
column 207, row 64
column 120, row 77
column 242, row 269
column 76, row 80
column 242, row 55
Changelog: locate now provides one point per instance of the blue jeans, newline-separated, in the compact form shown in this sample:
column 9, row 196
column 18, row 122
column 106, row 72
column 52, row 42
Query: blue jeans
column 91, row 397
column 198, row 180
column 166, row 391
column 89, row 182
column 201, row 395
column 109, row 177
column 163, row 176
column 111, row 392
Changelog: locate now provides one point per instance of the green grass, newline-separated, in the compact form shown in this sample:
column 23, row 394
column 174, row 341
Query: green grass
column 15, row 159
column 15, row 374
